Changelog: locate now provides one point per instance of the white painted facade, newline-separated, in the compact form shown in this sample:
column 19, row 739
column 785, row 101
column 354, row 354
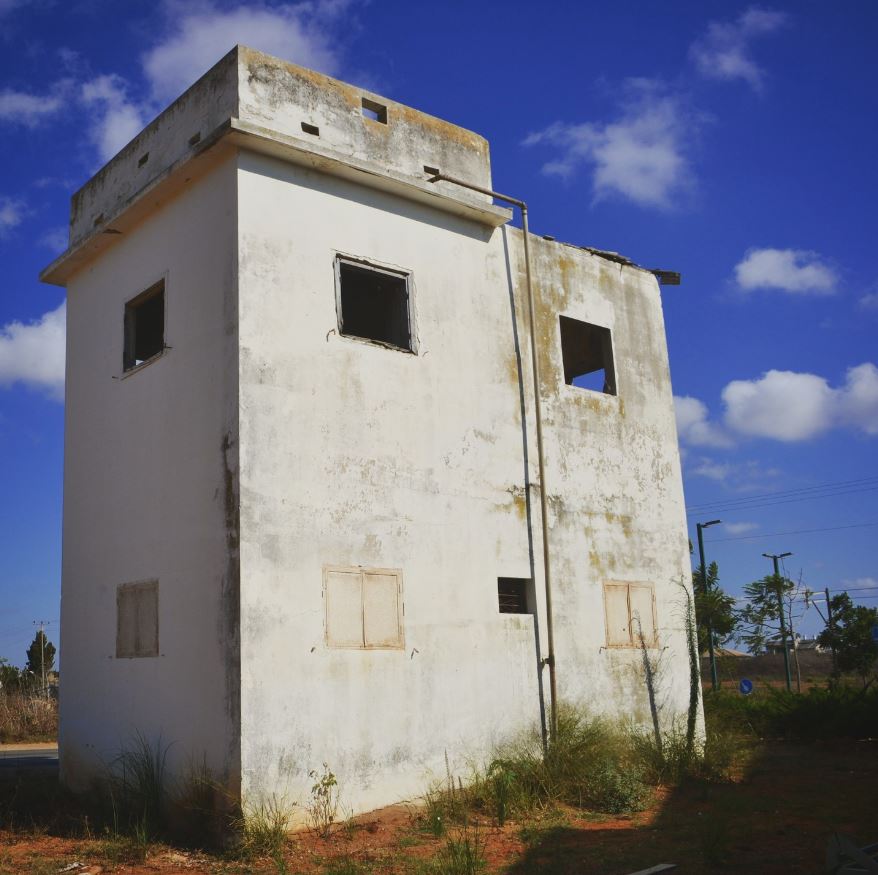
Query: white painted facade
column 263, row 448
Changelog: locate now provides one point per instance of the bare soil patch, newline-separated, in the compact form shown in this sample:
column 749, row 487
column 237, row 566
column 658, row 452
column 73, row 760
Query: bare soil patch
column 775, row 816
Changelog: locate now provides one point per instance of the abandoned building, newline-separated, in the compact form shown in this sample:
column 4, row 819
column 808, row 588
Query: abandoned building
column 304, row 517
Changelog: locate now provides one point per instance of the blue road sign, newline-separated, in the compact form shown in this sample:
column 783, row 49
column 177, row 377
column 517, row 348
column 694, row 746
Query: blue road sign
column 875, row 634
column 746, row 686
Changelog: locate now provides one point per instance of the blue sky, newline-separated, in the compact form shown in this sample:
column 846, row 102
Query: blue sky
column 734, row 143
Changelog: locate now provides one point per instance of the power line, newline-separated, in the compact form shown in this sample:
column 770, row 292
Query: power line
column 779, row 494
column 721, row 507
column 792, row 532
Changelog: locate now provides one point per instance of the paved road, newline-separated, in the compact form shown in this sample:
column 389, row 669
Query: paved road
column 14, row 760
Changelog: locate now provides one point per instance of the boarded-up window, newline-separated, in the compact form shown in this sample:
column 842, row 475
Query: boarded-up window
column 363, row 607
column 630, row 614
column 137, row 625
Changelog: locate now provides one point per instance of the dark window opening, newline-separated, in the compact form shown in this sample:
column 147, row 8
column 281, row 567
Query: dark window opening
column 144, row 326
column 512, row 595
column 374, row 305
column 587, row 352
column 143, row 159
column 195, row 138
column 375, row 111
column 310, row 129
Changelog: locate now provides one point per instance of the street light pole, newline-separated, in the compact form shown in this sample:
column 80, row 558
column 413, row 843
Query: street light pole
column 783, row 623
column 714, row 680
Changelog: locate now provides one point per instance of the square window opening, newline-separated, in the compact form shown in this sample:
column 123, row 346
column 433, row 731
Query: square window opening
column 514, row 595
column 374, row 305
column 377, row 112
column 144, row 326
column 137, row 620
column 587, row 353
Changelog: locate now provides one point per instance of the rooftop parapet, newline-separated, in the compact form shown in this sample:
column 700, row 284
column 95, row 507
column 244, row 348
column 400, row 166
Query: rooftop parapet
column 291, row 112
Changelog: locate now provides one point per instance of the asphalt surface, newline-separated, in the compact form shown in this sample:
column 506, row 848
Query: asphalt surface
column 16, row 760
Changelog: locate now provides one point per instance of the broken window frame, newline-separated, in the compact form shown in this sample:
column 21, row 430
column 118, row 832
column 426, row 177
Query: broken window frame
column 633, row 639
column 135, row 590
column 607, row 356
column 388, row 270
column 363, row 573
column 157, row 289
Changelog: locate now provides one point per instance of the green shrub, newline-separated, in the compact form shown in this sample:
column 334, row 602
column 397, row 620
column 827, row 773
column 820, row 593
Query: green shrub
column 819, row 714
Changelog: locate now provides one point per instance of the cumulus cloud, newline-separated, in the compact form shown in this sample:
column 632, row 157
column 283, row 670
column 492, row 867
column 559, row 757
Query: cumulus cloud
column 740, row 528
column 859, row 583
column 790, row 406
column 198, row 39
column 712, row 470
column 32, row 353
column 19, row 107
column 56, row 239
column 117, row 119
column 725, row 51
column 639, row 156
column 11, row 214
column 694, row 426
column 796, row 271
column 869, row 301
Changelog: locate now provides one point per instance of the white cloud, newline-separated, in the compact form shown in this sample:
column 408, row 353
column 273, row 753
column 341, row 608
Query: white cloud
column 295, row 32
column 18, row 107
column 640, row 156
column 56, row 239
column 861, row 582
column 869, row 301
column 117, row 119
column 694, row 426
column 724, row 52
column 789, row 406
column 33, row 353
column 791, row 270
column 11, row 214
column 712, row 470
column 740, row 528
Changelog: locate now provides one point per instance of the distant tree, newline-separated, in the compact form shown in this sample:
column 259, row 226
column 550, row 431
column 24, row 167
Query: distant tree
column 40, row 655
column 714, row 609
column 760, row 617
column 849, row 635
column 10, row 677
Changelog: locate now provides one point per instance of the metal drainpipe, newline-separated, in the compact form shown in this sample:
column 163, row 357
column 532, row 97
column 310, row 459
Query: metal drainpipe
column 535, row 367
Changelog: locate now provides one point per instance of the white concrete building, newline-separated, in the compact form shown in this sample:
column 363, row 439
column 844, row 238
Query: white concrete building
column 301, row 496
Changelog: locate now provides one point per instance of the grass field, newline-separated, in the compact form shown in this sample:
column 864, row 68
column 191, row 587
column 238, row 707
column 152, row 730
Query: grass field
column 768, row 803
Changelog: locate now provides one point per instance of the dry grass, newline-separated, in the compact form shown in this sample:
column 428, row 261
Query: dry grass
column 27, row 718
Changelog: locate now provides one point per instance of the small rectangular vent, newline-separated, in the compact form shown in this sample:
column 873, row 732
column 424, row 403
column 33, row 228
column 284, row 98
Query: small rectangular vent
column 311, row 129
column 377, row 112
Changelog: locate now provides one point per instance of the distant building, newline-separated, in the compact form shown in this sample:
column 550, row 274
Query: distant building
column 301, row 490
column 775, row 644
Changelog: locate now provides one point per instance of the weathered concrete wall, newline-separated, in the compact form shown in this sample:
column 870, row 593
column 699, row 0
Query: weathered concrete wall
column 354, row 454
column 613, row 480
column 150, row 493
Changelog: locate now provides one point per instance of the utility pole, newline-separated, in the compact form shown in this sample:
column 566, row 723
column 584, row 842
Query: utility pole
column 783, row 624
column 714, row 680
column 829, row 626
